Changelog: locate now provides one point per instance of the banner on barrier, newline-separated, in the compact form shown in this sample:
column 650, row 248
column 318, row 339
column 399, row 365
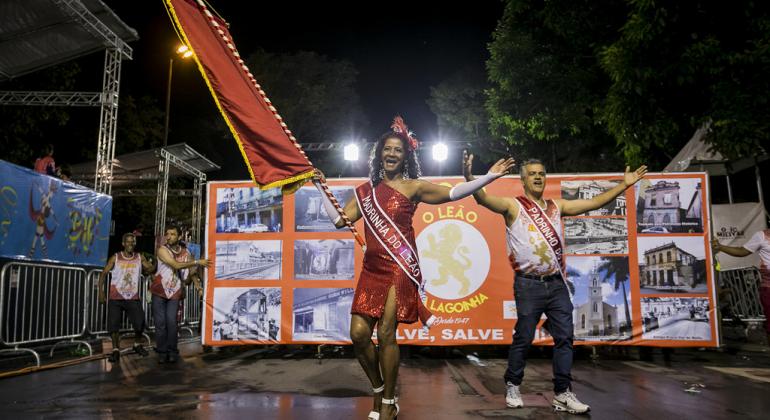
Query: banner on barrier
column 734, row 225
column 43, row 218
column 641, row 266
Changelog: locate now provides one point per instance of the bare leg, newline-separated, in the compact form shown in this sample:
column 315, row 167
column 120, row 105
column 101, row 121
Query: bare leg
column 361, row 328
column 115, row 340
column 389, row 352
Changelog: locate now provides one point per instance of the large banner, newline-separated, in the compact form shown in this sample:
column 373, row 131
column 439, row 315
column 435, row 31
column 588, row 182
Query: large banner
column 641, row 266
column 46, row 219
column 734, row 225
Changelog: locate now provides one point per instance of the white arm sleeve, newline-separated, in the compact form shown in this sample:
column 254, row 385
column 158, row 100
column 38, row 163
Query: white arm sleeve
column 467, row 188
column 331, row 211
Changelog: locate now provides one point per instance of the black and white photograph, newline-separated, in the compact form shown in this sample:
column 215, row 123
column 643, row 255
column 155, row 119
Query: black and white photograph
column 322, row 314
column 242, row 313
column 309, row 212
column 673, row 318
column 595, row 235
column 586, row 190
column 324, row 259
column 248, row 260
column 602, row 296
column 669, row 206
column 249, row 210
column 672, row 264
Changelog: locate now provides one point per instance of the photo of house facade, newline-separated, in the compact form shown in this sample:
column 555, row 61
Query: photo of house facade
column 669, row 206
column 666, row 265
column 249, row 210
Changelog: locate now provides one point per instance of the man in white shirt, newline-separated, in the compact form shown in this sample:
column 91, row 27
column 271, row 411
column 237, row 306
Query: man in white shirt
column 759, row 243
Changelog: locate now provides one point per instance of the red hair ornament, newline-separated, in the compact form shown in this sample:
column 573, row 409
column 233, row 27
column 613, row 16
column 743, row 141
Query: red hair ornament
column 400, row 127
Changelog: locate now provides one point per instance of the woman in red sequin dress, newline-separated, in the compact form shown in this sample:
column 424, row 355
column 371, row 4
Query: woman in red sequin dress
column 389, row 287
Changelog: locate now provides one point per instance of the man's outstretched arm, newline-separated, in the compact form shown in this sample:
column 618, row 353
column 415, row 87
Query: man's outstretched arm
column 496, row 204
column 735, row 251
column 575, row 207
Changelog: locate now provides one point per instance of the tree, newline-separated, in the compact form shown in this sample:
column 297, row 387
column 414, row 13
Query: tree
column 546, row 81
column 458, row 103
column 615, row 270
column 25, row 129
column 140, row 124
column 678, row 65
column 314, row 94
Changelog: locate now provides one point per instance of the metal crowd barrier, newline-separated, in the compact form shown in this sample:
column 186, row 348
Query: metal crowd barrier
column 192, row 309
column 97, row 311
column 744, row 302
column 42, row 303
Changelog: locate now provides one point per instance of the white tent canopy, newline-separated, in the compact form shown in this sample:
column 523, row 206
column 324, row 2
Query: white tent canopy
column 697, row 155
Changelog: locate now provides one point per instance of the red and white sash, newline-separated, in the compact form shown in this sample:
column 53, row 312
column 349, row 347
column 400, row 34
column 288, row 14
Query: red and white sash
column 546, row 230
column 388, row 235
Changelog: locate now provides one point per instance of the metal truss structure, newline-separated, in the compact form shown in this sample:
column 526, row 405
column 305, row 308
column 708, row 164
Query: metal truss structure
column 35, row 98
column 107, row 99
column 167, row 160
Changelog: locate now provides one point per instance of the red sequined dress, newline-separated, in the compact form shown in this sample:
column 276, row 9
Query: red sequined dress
column 380, row 270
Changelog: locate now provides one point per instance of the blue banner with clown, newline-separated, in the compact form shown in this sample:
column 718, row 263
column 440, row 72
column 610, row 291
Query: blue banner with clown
column 43, row 218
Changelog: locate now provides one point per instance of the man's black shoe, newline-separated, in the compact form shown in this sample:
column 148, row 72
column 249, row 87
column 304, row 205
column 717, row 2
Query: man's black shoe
column 114, row 356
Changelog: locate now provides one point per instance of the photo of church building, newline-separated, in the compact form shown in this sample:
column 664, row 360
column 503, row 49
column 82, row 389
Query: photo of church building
column 601, row 308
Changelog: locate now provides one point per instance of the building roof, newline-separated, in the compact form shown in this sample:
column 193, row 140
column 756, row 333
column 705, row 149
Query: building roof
column 132, row 168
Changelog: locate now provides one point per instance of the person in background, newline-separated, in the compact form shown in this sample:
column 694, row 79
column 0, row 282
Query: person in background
column 759, row 243
column 45, row 164
column 174, row 262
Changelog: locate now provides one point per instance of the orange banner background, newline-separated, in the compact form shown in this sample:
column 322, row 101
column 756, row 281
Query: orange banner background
column 483, row 312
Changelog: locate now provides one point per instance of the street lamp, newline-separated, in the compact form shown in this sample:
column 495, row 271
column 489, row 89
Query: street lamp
column 184, row 52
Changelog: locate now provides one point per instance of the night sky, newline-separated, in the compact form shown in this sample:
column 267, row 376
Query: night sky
column 400, row 49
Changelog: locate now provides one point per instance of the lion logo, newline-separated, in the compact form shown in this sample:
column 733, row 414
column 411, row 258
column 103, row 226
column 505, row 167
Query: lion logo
column 444, row 252
column 454, row 258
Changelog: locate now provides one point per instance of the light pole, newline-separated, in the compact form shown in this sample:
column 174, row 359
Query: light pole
column 184, row 52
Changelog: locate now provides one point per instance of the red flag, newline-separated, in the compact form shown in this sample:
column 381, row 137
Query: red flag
column 271, row 152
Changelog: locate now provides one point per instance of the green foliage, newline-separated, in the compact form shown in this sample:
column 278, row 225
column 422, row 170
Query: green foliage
column 313, row 93
column 140, row 124
column 458, row 103
column 629, row 79
column 677, row 65
column 24, row 129
column 546, row 80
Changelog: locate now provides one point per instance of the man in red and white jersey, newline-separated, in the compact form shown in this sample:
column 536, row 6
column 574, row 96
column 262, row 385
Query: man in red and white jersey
column 535, row 246
column 123, row 296
column 174, row 262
